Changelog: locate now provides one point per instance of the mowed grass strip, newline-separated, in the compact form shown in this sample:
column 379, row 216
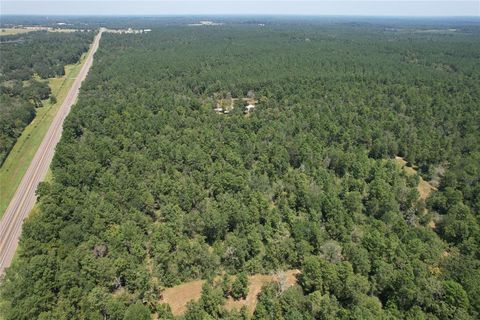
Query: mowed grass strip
column 17, row 162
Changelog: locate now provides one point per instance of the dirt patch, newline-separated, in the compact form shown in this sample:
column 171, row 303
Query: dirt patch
column 256, row 284
column 424, row 188
column 177, row 297
column 403, row 164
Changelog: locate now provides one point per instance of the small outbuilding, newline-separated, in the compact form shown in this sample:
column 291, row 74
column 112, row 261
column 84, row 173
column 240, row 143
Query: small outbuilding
column 249, row 108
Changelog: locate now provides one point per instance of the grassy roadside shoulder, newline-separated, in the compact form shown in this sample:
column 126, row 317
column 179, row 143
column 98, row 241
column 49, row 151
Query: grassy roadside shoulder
column 3, row 303
column 17, row 162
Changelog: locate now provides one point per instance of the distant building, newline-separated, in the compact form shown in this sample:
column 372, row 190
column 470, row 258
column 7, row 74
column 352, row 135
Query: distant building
column 206, row 23
column 249, row 108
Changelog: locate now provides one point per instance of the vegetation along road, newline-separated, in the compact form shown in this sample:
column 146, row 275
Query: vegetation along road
column 24, row 198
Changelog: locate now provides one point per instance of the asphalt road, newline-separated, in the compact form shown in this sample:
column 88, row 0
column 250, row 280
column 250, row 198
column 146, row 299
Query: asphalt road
column 24, row 198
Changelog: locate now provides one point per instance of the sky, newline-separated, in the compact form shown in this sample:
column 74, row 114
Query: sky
column 246, row 7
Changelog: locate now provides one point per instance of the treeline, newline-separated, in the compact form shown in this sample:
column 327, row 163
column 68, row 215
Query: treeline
column 151, row 188
column 27, row 60
column 464, row 24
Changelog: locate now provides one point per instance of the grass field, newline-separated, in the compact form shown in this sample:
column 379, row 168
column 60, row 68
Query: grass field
column 18, row 160
column 12, row 31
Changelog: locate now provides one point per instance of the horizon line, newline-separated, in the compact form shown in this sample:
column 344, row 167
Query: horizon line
column 236, row 15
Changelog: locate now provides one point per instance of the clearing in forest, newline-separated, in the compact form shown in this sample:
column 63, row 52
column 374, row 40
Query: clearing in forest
column 13, row 31
column 424, row 188
column 256, row 282
column 177, row 297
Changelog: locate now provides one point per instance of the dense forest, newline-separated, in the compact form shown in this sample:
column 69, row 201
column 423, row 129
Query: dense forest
column 26, row 61
column 152, row 188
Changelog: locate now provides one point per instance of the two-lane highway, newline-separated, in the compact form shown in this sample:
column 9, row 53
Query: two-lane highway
column 24, row 198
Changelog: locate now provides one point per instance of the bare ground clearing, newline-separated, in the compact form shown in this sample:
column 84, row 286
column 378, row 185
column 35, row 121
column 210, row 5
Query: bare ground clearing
column 177, row 297
column 424, row 188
